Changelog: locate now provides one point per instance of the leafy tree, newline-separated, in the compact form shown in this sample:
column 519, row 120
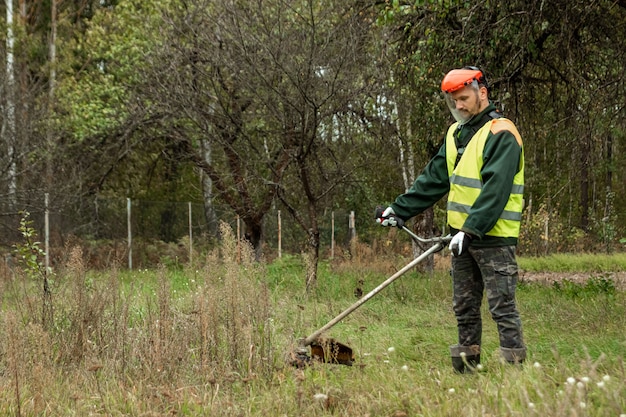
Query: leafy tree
column 103, row 126
column 272, row 90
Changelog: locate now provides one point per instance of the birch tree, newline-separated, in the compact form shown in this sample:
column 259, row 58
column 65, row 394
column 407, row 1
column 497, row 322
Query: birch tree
column 8, row 130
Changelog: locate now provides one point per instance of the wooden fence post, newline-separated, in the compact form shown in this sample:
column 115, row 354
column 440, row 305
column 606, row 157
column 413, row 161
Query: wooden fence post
column 351, row 226
column 332, row 235
column 190, row 235
column 130, row 234
column 238, row 239
column 280, row 241
column 47, row 233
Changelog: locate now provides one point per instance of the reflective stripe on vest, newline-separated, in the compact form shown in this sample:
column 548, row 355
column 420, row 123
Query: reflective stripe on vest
column 466, row 182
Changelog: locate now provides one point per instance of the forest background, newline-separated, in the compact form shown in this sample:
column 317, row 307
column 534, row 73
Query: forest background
column 245, row 108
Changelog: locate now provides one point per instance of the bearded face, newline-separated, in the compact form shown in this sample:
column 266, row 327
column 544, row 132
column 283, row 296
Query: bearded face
column 467, row 102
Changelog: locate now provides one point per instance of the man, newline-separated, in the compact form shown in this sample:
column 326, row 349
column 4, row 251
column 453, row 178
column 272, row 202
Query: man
column 481, row 168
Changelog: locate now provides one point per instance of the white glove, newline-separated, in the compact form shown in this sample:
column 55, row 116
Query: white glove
column 459, row 243
column 388, row 218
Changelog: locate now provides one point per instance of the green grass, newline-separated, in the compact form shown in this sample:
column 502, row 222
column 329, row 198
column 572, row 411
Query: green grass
column 575, row 263
column 212, row 339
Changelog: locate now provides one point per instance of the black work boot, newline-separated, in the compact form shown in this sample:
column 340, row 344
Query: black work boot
column 465, row 359
column 513, row 355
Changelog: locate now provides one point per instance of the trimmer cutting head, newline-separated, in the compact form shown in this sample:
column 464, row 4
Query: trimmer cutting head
column 323, row 350
column 332, row 351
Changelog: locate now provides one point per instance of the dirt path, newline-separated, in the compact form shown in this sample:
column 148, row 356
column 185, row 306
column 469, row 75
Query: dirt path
column 549, row 278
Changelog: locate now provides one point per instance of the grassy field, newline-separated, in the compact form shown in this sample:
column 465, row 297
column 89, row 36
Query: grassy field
column 591, row 263
column 213, row 340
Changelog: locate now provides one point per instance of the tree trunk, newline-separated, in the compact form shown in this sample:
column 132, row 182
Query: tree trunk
column 8, row 125
column 584, row 183
column 424, row 227
column 312, row 258
column 51, row 87
column 609, row 162
column 254, row 235
column 207, row 190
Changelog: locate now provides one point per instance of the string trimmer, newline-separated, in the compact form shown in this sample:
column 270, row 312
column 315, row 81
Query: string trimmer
column 329, row 350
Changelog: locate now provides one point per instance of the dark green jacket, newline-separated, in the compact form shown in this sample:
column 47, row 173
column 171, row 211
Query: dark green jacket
column 501, row 160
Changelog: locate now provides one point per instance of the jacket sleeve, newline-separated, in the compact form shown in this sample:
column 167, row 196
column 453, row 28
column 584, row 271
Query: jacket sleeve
column 501, row 158
column 429, row 187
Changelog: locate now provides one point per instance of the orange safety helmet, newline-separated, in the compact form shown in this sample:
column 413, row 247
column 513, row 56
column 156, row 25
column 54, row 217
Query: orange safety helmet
column 459, row 78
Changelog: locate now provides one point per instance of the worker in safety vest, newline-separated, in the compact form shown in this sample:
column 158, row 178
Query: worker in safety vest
column 481, row 168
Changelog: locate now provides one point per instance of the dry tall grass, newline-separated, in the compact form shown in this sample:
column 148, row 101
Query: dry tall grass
column 134, row 346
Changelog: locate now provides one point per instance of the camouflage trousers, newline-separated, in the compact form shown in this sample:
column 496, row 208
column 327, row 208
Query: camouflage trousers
column 495, row 271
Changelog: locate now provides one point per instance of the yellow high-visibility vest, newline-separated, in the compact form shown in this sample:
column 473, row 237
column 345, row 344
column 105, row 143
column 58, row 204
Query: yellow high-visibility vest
column 466, row 182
